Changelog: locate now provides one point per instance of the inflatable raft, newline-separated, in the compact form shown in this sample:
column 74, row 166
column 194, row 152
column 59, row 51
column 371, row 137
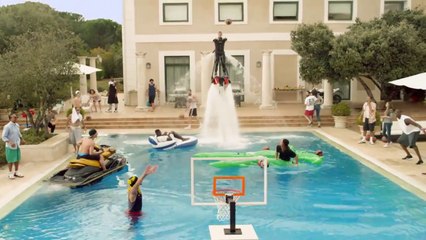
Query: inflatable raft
column 304, row 157
column 174, row 143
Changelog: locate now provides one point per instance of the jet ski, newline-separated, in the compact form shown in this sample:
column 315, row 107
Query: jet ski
column 81, row 172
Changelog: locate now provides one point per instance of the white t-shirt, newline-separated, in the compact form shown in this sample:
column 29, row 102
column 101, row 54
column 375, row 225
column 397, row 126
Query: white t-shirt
column 407, row 129
column 310, row 102
column 367, row 110
column 192, row 102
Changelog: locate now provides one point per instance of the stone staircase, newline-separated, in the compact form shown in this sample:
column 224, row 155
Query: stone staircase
column 176, row 123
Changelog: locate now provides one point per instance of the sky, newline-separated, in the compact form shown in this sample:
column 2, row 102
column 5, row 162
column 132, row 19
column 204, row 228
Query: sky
column 89, row 9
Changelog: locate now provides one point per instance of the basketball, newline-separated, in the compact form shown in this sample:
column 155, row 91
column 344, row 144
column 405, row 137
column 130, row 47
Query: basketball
column 228, row 21
column 181, row 116
column 384, row 139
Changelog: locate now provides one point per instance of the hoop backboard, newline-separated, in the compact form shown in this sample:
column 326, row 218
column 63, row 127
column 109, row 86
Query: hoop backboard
column 249, row 182
column 235, row 185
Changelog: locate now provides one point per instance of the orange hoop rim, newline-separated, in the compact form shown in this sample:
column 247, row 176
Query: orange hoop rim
column 222, row 192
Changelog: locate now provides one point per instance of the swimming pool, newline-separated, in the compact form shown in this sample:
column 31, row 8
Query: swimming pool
column 340, row 199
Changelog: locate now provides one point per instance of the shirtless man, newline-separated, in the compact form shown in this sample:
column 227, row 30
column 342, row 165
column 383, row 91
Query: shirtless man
column 87, row 149
column 75, row 124
column 167, row 136
column 76, row 101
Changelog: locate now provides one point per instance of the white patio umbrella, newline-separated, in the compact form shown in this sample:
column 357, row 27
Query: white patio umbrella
column 417, row 81
column 84, row 69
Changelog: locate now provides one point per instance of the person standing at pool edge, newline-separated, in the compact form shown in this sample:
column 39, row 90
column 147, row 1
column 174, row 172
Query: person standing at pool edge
column 134, row 193
column 410, row 133
column 192, row 108
column 309, row 109
column 112, row 96
column 368, row 114
column 13, row 139
column 317, row 106
column 152, row 90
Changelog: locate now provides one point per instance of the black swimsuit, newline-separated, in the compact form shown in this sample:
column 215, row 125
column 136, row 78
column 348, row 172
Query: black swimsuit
column 285, row 155
column 136, row 206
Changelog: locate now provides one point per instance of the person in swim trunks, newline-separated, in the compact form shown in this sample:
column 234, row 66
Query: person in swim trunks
column 87, row 149
column 134, row 193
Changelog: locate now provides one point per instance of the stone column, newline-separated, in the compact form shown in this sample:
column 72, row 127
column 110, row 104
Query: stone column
column 93, row 77
column 328, row 93
column 129, row 48
column 206, row 65
column 266, row 81
column 83, row 77
column 141, row 79
column 300, row 84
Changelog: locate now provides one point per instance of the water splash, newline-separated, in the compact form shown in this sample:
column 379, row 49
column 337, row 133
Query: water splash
column 220, row 118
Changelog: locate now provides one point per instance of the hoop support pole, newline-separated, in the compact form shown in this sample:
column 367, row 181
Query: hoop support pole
column 232, row 221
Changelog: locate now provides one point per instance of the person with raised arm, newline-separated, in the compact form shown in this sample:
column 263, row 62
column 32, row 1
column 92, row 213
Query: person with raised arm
column 134, row 193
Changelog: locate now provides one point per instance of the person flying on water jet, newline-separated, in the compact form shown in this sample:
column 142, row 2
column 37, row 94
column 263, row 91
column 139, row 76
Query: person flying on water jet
column 220, row 59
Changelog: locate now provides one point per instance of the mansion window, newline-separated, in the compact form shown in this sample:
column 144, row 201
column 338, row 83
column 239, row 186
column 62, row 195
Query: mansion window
column 176, row 76
column 231, row 10
column 394, row 6
column 340, row 10
column 175, row 12
column 285, row 11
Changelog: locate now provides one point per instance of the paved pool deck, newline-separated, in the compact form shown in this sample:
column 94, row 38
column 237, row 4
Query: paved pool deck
column 387, row 161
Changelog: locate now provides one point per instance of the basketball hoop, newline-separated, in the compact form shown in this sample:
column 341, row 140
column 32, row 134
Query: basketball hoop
column 222, row 203
column 223, row 196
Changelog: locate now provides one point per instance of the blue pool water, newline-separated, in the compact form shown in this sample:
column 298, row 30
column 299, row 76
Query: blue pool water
column 340, row 199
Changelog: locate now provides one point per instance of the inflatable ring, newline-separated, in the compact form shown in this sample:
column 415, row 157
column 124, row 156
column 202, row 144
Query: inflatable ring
column 174, row 143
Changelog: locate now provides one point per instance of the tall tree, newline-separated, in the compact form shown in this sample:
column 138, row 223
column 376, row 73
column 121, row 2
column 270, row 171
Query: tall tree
column 27, row 17
column 100, row 33
column 375, row 51
column 36, row 67
column 379, row 50
column 314, row 43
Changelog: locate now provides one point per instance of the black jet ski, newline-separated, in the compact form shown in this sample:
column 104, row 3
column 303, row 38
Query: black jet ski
column 81, row 172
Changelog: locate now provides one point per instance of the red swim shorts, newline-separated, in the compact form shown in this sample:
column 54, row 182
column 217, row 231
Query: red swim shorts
column 309, row 112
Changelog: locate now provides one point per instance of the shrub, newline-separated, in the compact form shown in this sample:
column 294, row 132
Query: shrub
column 32, row 137
column 2, row 154
column 359, row 121
column 341, row 109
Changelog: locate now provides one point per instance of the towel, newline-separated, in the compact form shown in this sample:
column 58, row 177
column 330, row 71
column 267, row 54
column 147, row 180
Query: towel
column 75, row 116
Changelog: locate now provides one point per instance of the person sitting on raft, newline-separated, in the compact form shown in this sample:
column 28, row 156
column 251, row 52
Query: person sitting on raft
column 134, row 193
column 87, row 149
column 284, row 152
column 167, row 136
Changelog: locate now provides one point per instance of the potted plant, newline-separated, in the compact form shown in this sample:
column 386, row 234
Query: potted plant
column 340, row 112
